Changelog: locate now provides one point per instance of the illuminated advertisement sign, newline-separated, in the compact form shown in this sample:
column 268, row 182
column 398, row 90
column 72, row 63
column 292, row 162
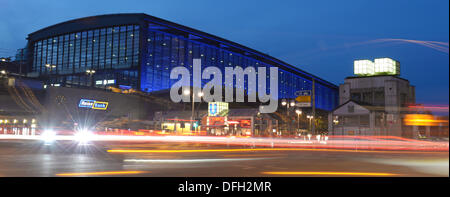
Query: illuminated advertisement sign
column 93, row 104
column 217, row 108
column 364, row 67
column 100, row 105
column 86, row 103
column 387, row 66
column 380, row 66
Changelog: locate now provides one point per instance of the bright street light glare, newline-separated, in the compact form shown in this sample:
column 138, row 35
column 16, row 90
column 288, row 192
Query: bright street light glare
column 48, row 136
column 83, row 137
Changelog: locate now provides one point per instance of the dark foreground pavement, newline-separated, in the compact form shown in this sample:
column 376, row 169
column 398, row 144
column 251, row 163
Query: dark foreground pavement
column 22, row 158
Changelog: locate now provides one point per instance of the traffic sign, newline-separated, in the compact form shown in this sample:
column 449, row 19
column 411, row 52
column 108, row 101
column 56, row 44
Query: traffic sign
column 303, row 104
column 303, row 93
column 303, row 99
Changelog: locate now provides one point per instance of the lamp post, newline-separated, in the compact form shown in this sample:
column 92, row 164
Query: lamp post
column 284, row 103
column 310, row 117
column 1, row 127
column 292, row 103
column 90, row 73
column 200, row 95
column 299, row 112
column 14, row 127
column 50, row 67
column 188, row 92
column 288, row 104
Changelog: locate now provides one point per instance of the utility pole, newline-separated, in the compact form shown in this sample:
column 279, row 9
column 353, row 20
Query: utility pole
column 313, row 107
column 20, row 62
column 192, row 114
column 199, row 94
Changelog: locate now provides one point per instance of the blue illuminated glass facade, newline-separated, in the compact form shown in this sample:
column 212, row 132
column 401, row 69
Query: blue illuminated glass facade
column 166, row 51
column 139, row 51
column 113, row 52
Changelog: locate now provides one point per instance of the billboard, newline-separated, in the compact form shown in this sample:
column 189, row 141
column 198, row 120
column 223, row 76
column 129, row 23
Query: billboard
column 387, row 66
column 380, row 66
column 217, row 109
column 364, row 67
column 93, row 104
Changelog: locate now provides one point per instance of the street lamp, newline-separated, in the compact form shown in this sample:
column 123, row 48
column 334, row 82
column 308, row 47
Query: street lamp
column 90, row 72
column 200, row 94
column 288, row 104
column 1, row 127
column 50, row 67
column 14, row 127
column 284, row 103
column 3, row 73
column 292, row 103
column 310, row 118
column 298, row 112
column 187, row 92
column 336, row 121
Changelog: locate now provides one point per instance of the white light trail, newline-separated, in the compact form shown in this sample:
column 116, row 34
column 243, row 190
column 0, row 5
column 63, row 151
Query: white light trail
column 188, row 160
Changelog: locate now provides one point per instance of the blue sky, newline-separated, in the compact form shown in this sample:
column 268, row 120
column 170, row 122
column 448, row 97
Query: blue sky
column 320, row 37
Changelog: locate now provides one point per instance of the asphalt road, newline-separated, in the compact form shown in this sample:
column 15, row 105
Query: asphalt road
column 28, row 158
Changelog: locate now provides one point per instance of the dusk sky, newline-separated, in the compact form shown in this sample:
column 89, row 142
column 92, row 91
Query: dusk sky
column 320, row 37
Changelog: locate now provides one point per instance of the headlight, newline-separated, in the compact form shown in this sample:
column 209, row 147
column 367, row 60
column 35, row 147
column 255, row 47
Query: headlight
column 83, row 137
column 48, row 136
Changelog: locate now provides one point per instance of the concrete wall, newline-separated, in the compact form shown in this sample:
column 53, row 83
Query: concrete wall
column 16, row 95
column 62, row 105
column 393, row 87
column 344, row 93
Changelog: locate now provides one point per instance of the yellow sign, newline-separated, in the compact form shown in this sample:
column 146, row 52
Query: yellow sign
column 100, row 105
column 303, row 99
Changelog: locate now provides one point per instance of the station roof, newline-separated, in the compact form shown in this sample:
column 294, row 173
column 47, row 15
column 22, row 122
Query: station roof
column 101, row 21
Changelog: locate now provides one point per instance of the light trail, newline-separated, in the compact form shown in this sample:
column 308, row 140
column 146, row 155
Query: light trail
column 255, row 155
column 436, row 45
column 439, row 46
column 373, row 143
column 188, row 160
column 253, row 150
column 427, row 107
column 101, row 173
column 435, row 166
column 332, row 173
